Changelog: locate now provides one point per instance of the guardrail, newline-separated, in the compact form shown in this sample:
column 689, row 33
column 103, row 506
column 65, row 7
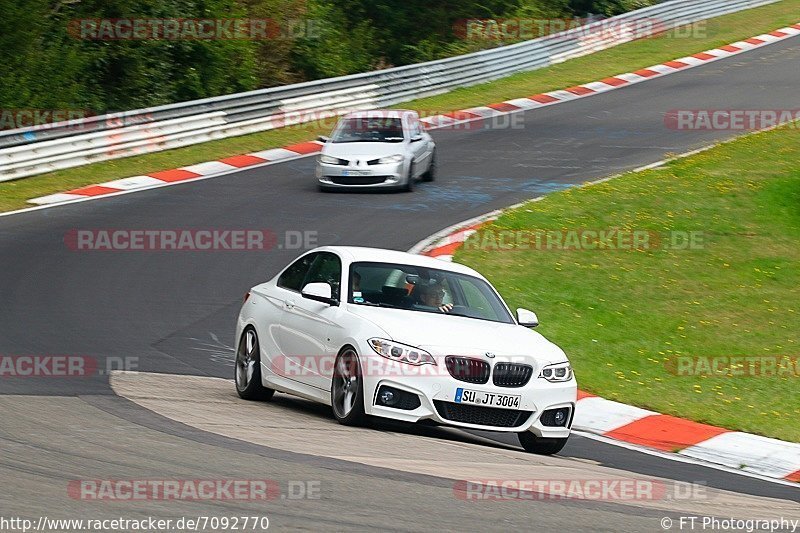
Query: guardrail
column 30, row 151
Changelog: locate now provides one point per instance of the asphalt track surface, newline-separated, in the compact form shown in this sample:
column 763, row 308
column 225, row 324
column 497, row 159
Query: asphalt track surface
column 173, row 312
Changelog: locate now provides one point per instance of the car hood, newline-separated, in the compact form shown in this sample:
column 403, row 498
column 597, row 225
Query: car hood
column 442, row 334
column 365, row 150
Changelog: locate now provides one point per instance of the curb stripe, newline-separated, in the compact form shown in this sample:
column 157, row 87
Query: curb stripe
column 132, row 183
column 646, row 73
column 614, row 81
column 504, row 107
column 447, row 249
column 461, row 115
column 579, row 90
column 752, row 453
column 543, row 98
column 92, row 190
column 274, row 154
column 208, row 168
column 305, row 147
column 665, row 432
column 240, row 161
column 177, row 174
column 676, row 64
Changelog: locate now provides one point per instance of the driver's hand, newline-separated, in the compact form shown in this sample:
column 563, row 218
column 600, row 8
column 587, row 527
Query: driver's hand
column 446, row 308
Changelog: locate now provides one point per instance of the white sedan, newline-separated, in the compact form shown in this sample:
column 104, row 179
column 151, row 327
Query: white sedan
column 377, row 150
column 389, row 334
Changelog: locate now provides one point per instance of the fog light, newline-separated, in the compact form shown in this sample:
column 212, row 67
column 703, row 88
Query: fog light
column 387, row 397
column 556, row 417
column 397, row 398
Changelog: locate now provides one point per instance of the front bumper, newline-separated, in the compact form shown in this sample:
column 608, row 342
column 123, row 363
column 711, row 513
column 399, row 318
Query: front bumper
column 436, row 391
column 362, row 176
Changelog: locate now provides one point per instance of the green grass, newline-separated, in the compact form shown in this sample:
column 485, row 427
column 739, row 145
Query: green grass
column 625, row 58
column 624, row 315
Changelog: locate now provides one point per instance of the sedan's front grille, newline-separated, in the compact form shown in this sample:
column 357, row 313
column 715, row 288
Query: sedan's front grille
column 511, row 374
column 357, row 180
column 481, row 416
column 467, row 369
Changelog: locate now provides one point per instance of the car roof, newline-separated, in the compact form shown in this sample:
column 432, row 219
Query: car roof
column 380, row 113
column 380, row 255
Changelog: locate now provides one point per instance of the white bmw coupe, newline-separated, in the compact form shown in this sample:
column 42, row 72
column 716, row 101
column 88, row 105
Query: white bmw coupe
column 389, row 334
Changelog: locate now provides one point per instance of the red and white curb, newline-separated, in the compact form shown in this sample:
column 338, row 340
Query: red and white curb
column 753, row 454
column 183, row 174
column 234, row 163
column 611, row 83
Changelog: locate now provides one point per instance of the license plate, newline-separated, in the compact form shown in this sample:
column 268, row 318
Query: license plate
column 355, row 173
column 487, row 399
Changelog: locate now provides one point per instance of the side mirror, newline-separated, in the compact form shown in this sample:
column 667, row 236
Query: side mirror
column 527, row 318
column 323, row 138
column 319, row 292
column 416, row 138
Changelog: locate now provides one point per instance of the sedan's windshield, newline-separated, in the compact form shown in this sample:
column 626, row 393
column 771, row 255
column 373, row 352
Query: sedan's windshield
column 368, row 129
column 426, row 290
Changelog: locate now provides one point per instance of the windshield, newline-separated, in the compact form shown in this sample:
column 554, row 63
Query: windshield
column 368, row 129
column 425, row 290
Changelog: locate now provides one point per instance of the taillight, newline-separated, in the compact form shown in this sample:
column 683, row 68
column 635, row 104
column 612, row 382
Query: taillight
column 246, row 296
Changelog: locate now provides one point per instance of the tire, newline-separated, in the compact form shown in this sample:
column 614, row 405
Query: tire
column 347, row 389
column 430, row 175
column 540, row 446
column 408, row 186
column 247, row 368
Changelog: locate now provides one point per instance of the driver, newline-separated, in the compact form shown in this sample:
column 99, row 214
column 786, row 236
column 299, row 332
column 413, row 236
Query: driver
column 432, row 295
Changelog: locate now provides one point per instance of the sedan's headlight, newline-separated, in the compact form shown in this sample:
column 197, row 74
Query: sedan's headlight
column 328, row 160
column 390, row 159
column 400, row 352
column 557, row 372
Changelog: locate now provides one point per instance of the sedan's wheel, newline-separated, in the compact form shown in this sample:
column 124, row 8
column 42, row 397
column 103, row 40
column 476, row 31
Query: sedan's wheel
column 540, row 446
column 248, row 368
column 408, row 186
column 347, row 391
column 430, row 175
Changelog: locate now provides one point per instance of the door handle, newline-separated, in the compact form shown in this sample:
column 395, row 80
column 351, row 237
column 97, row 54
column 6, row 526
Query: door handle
column 289, row 304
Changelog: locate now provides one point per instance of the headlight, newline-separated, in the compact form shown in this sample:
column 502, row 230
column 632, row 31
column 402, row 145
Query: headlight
column 557, row 373
column 328, row 160
column 400, row 352
column 391, row 159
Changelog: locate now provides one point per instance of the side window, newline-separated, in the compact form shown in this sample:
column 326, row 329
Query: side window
column 292, row 278
column 327, row 268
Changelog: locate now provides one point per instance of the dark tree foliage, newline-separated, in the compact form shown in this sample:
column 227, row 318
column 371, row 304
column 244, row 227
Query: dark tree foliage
column 45, row 65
